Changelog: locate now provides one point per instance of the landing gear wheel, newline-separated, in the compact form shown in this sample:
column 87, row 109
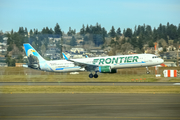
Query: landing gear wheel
column 95, row 75
column 91, row 75
column 148, row 72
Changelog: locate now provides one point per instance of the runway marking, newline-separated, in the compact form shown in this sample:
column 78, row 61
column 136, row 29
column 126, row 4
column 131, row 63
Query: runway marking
column 107, row 104
column 88, row 117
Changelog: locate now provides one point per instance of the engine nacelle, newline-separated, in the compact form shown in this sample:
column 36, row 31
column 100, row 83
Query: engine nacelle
column 113, row 70
column 107, row 69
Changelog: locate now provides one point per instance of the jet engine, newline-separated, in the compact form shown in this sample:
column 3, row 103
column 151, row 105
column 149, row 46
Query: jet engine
column 107, row 69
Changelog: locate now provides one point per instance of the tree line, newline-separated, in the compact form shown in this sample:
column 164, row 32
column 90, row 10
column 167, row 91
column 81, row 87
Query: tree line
column 131, row 38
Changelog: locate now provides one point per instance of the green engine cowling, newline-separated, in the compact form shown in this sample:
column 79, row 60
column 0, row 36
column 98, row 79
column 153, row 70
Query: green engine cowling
column 107, row 69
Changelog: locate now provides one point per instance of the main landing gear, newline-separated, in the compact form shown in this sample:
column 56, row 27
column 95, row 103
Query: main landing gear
column 147, row 70
column 95, row 75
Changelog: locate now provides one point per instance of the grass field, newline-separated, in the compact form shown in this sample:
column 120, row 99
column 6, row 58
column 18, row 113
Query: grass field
column 78, row 78
column 19, row 74
column 90, row 89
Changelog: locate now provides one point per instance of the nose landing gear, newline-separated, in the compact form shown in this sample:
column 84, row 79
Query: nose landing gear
column 147, row 70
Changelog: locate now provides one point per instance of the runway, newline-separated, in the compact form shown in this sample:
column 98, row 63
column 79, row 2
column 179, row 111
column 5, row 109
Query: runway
column 90, row 106
column 91, row 83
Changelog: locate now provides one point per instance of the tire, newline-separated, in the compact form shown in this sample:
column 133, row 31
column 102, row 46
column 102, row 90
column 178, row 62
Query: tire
column 148, row 72
column 95, row 75
column 90, row 75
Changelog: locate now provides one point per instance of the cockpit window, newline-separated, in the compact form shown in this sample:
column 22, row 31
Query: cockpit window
column 154, row 57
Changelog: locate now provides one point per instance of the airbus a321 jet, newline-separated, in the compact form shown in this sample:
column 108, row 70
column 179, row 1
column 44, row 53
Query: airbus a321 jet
column 108, row 64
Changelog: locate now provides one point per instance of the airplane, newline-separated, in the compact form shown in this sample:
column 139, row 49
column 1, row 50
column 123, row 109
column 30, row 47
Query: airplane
column 108, row 64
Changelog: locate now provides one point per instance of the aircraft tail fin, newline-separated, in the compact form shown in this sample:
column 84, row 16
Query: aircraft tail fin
column 33, row 56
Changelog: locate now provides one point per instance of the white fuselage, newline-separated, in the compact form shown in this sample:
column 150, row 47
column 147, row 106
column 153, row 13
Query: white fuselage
column 115, row 62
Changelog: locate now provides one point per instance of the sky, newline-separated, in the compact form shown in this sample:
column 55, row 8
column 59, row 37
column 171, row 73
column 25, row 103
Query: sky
column 74, row 13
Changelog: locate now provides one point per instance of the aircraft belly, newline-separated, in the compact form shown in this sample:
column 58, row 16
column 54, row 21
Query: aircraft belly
column 129, row 65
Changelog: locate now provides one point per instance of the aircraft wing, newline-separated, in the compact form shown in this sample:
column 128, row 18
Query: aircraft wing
column 87, row 66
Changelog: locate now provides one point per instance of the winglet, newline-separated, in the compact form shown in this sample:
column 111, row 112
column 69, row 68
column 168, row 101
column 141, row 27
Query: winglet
column 87, row 56
column 65, row 56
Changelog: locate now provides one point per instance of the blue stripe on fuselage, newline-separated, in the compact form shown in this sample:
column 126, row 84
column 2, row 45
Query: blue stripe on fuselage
column 59, row 68
column 132, row 63
column 66, row 68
